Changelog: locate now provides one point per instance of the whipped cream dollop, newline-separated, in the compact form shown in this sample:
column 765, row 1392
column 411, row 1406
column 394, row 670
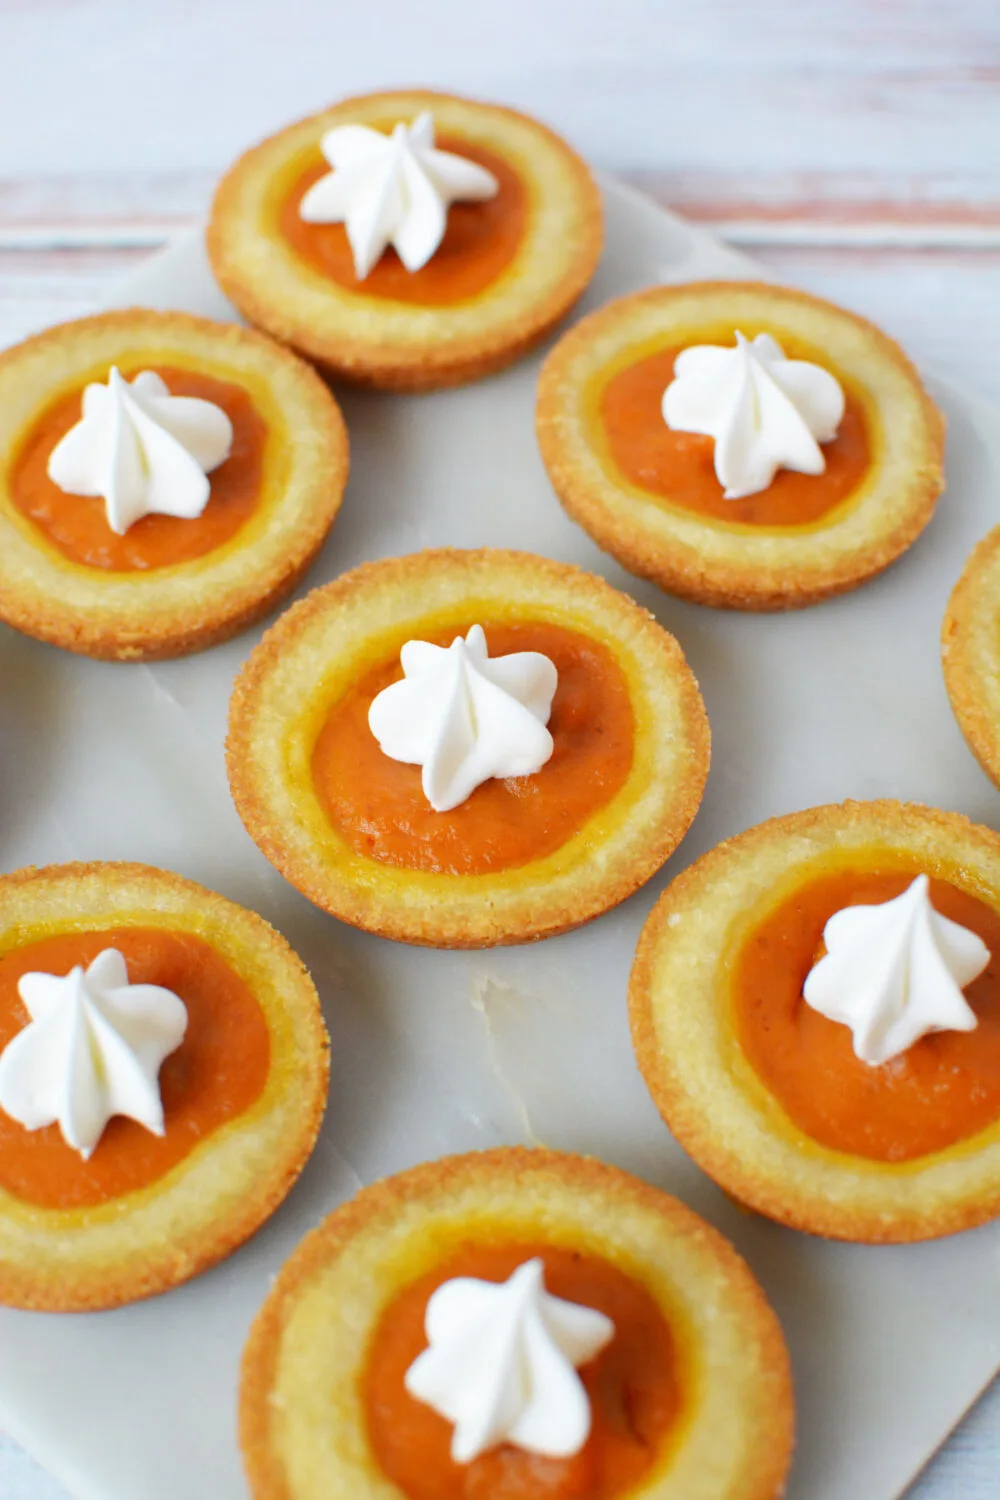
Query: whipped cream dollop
column 501, row 1364
column 465, row 717
column 894, row 972
column 392, row 190
column 764, row 411
column 92, row 1049
column 142, row 450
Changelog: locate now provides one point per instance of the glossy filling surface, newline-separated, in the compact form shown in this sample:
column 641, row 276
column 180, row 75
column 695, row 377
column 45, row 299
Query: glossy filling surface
column 480, row 242
column 217, row 1073
column 680, row 466
column 378, row 806
column 77, row 524
column 940, row 1092
column 633, row 1384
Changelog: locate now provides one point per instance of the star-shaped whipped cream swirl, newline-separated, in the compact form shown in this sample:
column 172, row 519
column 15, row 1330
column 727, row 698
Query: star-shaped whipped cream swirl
column 392, row 190
column 501, row 1364
column 92, row 1049
column 464, row 716
column 764, row 411
column 142, row 450
column 894, row 972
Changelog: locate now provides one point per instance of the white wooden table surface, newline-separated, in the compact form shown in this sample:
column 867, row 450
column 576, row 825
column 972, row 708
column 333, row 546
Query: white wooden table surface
column 854, row 148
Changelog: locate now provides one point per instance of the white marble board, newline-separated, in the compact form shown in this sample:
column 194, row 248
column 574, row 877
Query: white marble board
column 442, row 1052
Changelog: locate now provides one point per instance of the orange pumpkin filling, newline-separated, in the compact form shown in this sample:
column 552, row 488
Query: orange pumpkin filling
column 378, row 804
column 632, row 1383
column 943, row 1090
column 77, row 524
column 217, row 1072
column 479, row 243
column 680, row 466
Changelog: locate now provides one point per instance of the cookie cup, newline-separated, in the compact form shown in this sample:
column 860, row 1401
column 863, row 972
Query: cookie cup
column 302, row 1422
column 144, row 615
column 728, row 564
column 389, row 343
column 149, row 1240
column 316, row 651
column 970, row 653
column 689, row 1052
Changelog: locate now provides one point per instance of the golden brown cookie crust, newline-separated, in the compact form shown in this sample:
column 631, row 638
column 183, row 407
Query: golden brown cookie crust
column 399, row 346
column 706, row 1091
column 970, row 653
column 302, row 1426
column 318, row 648
column 735, row 566
column 186, row 607
column 145, row 1242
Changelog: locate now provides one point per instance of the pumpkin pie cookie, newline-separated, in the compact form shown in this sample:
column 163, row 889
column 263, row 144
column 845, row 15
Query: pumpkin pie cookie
column 163, row 1075
column 815, row 1008
column 970, row 653
column 409, row 239
column 615, row 1293
column 467, row 748
column 741, row 444
column 165, row 480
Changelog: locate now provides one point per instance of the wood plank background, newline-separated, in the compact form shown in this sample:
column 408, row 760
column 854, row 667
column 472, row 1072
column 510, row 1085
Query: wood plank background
column 854, row 148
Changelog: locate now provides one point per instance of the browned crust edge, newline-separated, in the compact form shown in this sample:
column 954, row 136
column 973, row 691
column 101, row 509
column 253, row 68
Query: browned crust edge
column 680, row 571
column 134, row 1279
column 218, row 617
column 424, row 928
column 960, row 634
column 380, row 364
column 764, row 1481
column 810, row 1212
